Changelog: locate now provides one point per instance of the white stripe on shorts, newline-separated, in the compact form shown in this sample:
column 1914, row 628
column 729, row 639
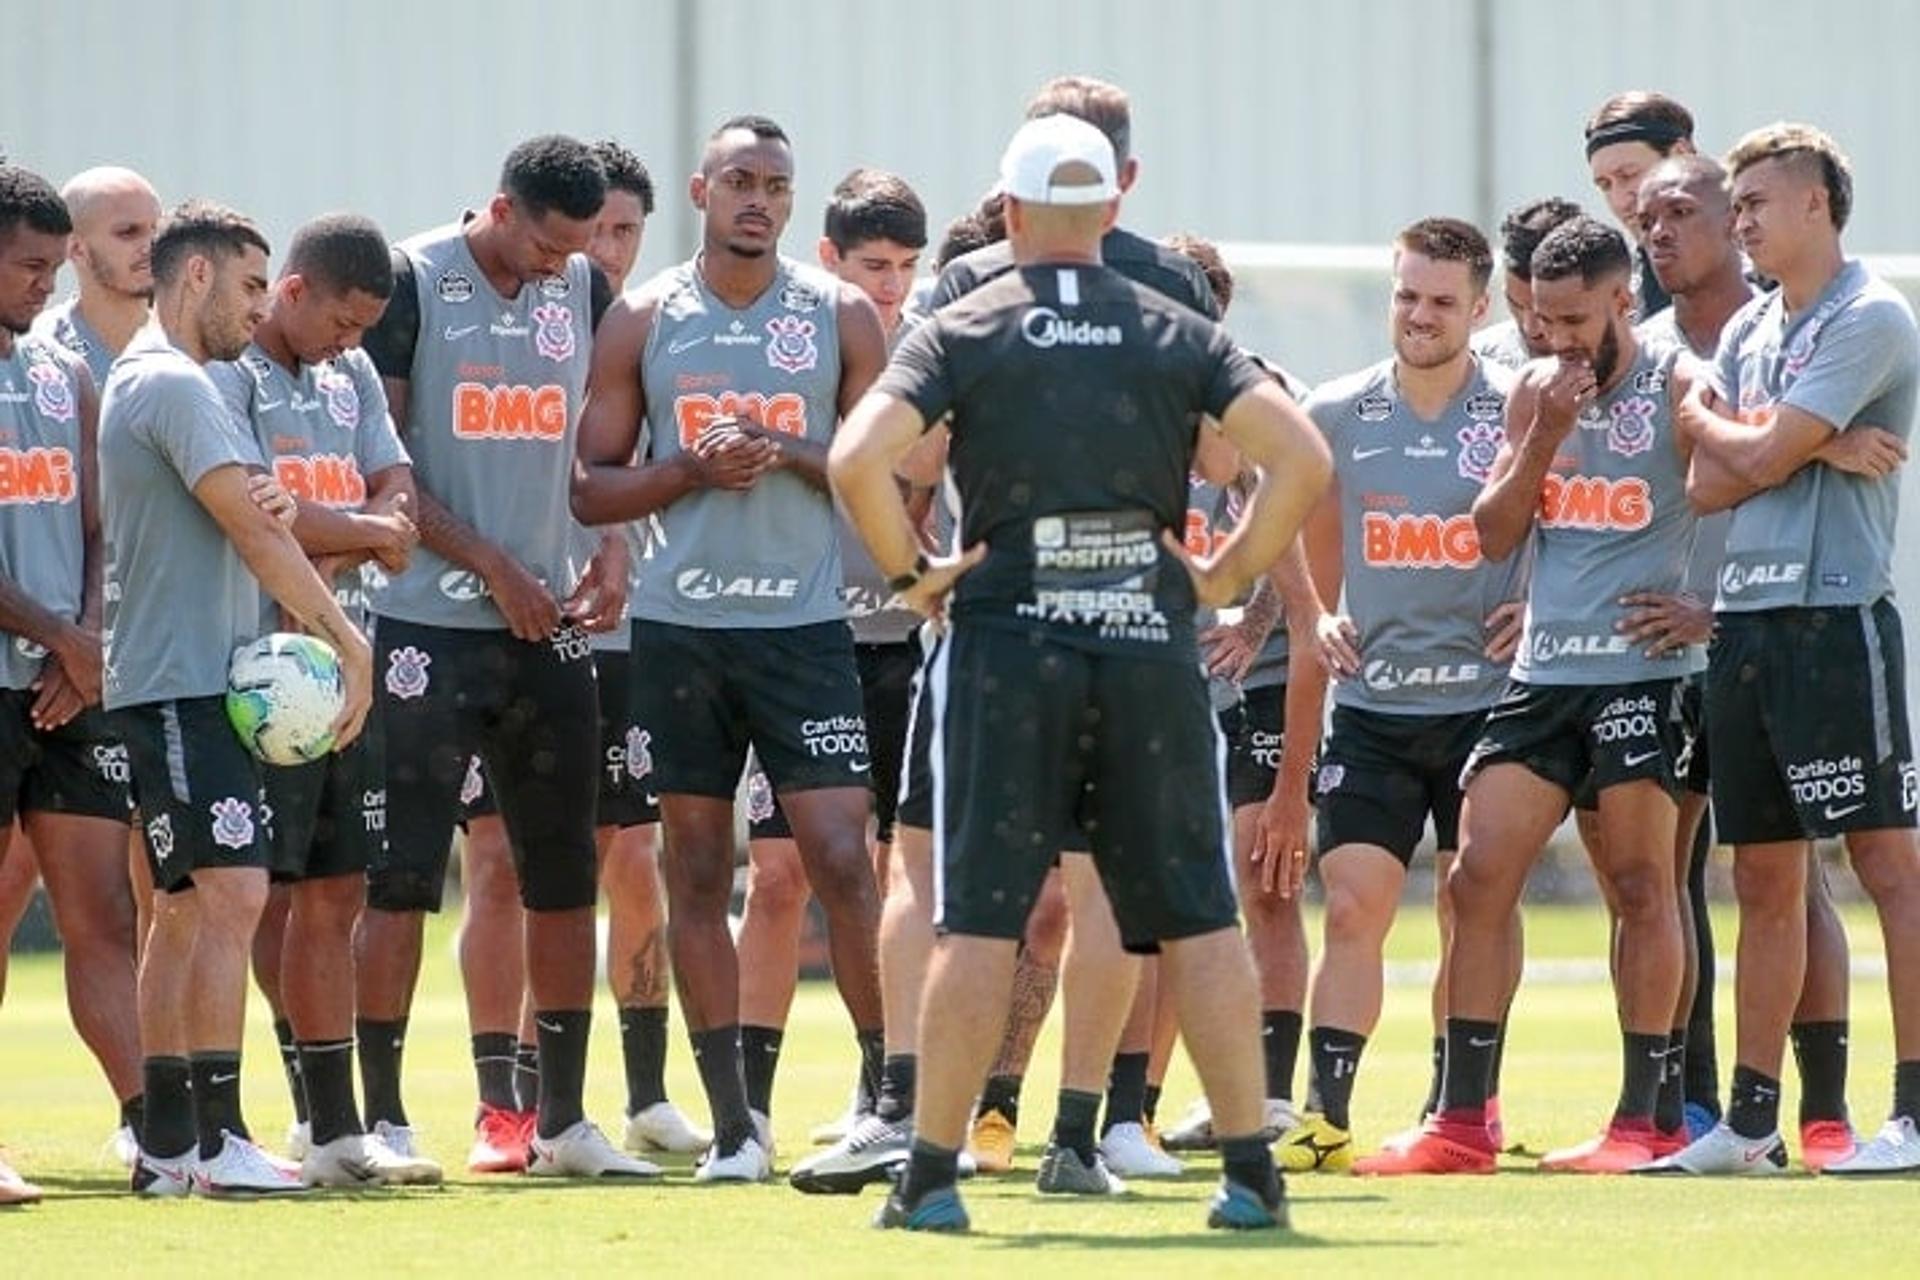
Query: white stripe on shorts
column 176, row 751
column 937, row 674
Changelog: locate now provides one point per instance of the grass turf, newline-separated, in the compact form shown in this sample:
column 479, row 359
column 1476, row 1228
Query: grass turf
column 1561, row 1074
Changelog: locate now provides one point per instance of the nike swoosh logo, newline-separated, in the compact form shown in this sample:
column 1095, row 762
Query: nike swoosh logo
column 1752, row 1157
column 265, row 405
column 1834, row 815
column 859, row 768
column 1361, row 455
column 678, row 345
column 544, row 1025
column 229, row 1078
column 454, row 335
column 1478, row 1043
column 1635, row 761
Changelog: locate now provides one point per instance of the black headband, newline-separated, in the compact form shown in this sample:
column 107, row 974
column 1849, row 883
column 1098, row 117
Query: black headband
column 1658, row 134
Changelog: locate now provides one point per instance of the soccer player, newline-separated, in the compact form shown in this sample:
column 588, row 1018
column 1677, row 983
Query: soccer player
column 1591, row 475
column 481, row 641
column 1516, row 340
column 115, row 213
column 319, row 415
column 1071, row 642
column 186, row 544
column 1420, row 652
column 1806, row 705
column 62, row 776
column 741, row 363
column 875, row 231
column 1626, row 136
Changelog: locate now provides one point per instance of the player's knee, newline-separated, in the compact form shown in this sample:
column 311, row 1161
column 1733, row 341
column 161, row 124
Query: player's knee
column 1886, row 863
column 1640, row 892
column 1352, row 918
column 843, row 880
column 329, row 905
column 1047, row 926
column 1768, row 885
column 776, row 880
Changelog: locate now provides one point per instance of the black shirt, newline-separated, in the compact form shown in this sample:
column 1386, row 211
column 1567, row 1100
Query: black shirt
column 1149, row 262
column 1074, row 396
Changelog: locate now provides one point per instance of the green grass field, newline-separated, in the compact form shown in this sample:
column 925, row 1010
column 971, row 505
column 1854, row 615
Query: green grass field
column 1560, row 1079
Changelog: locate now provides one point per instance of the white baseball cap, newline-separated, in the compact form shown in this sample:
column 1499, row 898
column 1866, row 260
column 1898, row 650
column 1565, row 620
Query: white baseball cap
column 1041, row 148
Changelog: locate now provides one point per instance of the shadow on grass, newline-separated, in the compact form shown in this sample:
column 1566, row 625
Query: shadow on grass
column 1212, row 1241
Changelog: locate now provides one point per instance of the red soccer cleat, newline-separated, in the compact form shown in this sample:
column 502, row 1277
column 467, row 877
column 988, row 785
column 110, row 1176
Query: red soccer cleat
column 1448, row 1143
column 1623, row 1148
column 500, row 1141
column 1825, row 1142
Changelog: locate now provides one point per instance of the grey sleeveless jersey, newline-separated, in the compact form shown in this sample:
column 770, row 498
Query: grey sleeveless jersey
column 1211, row 513
column 1612, row 519
column 768, row 557
column 1852, row 358
column 324, row 431
column 873, row 607
column 1417, row 588
column 42, row 542
column 493, row 404
column 66, row 326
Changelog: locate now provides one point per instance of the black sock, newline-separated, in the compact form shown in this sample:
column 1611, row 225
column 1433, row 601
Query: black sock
column 1336, row 1060
column 1670, row 1112
column 166, row 1123
column 133, row 1115
column 929, row 1168
column 1249, row 1162
column 643, row 1046
column 1820, row 1051
column 1753, row 1109
column 1280, row 1045
column 216, row 1099
column 760, row 1058
column 1126, row 1091
column 1438, row 1076
column 716, row 1052
column 1469, row 1059
column 526, row 1075
column 563, row 1067
column 873, row 1057
column 493, row 1065
column 1073, row 1123
column 290, row 1063
column 1702, row 1065
column 897, row 1079
column 381, row 1044
column 326, row 1069
column 1002, row 1094
column 1643, row 1061
column 1499, row 1060
column 1150, row 1104
column 1906, row 1090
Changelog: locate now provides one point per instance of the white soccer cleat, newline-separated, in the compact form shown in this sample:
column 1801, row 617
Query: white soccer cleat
column 1281, row 1119
column 158, row 1178
column 1193, row 1131
column 363, row 1160
column 15, row 1189
column 1126, row 1150
column 242, row 1170
column 123, row 1148
column 869, row 1154
column 1895, row 1149
column 582, row 1151
column 1063, row 1173
column 749, row 1164
column 299, row 1140
column 763, row 1131
column 403, row 1139
column 1722, row 1153
column 663, row 1127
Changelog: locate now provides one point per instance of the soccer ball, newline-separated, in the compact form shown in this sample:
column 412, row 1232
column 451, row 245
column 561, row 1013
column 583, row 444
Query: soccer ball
column 283, row 694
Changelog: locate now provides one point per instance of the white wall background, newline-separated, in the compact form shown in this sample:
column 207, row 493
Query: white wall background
column 1296, row 121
